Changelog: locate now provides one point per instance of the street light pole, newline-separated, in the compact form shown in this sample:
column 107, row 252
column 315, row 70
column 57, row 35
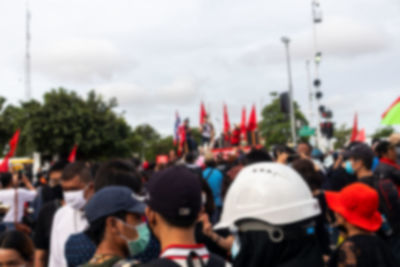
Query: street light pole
column 286, row 41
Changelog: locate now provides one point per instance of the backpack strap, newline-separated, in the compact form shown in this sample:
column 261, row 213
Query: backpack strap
column 215, row 261
column 209, row 174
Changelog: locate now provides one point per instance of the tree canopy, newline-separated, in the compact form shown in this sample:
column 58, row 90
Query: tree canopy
column 65, row 118
column 275, row 125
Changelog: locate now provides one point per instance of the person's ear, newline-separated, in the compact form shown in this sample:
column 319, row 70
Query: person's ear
column 151, row 217
column 89, row 191
column 112, row 225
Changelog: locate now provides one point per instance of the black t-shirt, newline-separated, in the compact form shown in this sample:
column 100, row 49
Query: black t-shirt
column 44, row 222
column 363, row 251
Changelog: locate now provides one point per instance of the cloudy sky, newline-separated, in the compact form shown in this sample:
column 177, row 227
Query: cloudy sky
column 159, row 56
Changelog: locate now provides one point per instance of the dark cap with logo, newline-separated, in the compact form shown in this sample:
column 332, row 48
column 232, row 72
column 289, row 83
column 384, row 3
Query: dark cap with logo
column 113, row 199
column 175, row 193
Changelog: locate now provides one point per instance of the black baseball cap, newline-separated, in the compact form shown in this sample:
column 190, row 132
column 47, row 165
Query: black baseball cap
column 113, row 199
column 175, row 193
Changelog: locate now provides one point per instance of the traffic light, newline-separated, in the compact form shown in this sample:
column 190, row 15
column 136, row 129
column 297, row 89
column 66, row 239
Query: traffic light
column 285, row 102
column 327, row 129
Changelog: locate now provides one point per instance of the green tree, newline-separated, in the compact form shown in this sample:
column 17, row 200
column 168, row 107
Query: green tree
column 342, row 136
column 275, row 125
column 65, row 119
column 383, row 132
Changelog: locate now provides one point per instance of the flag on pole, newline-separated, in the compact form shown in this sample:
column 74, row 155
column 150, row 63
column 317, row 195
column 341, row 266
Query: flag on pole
column 354, row 133
column 203, row 114
column 12, row 148
column 176, row 128
column 72, row 155
column 252, row 126
column 392, row 114
column 361, row 137
column 227, row 125
column 243, row 124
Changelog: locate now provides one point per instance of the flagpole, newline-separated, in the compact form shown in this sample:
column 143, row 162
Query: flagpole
column 27, row 53
column 286, row 41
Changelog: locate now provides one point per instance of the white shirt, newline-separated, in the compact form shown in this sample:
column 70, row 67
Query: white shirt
column 66, row 222
column 7, row 198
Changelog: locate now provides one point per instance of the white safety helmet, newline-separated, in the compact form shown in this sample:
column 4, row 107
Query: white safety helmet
column 268, row 192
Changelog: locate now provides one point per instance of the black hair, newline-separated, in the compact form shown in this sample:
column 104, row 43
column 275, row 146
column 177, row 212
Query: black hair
column 190, row 158
column 6, row 179
column 365, row 159
column 382, row 148
column 118, row 172
column 58, row 166
column 180, row 223
column 77, row 169
column 306, row 169
column 97, row 228
column 209, row 206
column 20, row 242
column 258, row 155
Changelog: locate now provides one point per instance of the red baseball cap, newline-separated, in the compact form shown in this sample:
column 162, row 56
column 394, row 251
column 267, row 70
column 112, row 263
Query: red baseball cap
column 358, row 204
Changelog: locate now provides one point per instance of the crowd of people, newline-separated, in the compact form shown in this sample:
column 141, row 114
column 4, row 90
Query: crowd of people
column 282, row 207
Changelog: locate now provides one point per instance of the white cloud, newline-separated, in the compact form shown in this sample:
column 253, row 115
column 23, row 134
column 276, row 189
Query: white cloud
column 81, row 60
column 182, row 92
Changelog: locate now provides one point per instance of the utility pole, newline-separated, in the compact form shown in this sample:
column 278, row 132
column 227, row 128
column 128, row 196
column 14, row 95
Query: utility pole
column 316, row 19
column 286, row 41
column 310, row 94
column 28, row 93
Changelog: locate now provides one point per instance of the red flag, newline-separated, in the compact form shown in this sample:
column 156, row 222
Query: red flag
column 227, row 125
column 252, row 126
column 243, row 123
column 4, row 165
column 182, row 138
column 203, row 113
column 361, row 136
column 13, row 147
column 355, row 129
column 72, row 155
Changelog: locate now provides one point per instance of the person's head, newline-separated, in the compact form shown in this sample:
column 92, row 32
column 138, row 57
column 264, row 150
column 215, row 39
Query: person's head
column 257, row 156
column 307, row 170
column 6, row 179
column 304, row 148
column 186, row 122
column 16, row 249
column 115, row 218
column 385, row 149
column 56, row 171
column 356, row 205
column 77, row 184
column 174, row 201
column 118, row 172
column 360, row 159
column 209, row 160
column 282, row 149
column 190, row 158
column 271, row 199
column 172, row 155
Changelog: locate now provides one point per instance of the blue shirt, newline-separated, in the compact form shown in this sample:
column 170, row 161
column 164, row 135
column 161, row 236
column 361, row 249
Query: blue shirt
column 214, row 179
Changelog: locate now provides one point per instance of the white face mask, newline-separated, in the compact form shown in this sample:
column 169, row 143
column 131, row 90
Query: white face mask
column 75, row 199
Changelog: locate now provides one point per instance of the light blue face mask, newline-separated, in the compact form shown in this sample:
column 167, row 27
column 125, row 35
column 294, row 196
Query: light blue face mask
column 140, row 244
column 235, row 248
column 349, row 168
